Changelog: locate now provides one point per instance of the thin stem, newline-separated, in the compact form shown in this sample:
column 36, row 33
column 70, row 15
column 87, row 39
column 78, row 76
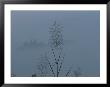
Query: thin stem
column 60, row 66
column 57, row 69
column 51, row 67
column 54, row 55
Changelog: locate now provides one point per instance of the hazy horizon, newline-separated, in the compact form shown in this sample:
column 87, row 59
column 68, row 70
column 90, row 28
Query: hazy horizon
column 30, row 36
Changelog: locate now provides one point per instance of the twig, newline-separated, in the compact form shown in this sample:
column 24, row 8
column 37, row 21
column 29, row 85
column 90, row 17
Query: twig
column 60, row 66
column 69, row 71
column 51, row 67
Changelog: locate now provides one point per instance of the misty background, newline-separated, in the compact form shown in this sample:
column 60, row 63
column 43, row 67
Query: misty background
column 30, row 36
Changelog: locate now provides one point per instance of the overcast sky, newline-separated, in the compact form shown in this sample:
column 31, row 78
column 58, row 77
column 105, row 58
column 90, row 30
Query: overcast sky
column 81, row 34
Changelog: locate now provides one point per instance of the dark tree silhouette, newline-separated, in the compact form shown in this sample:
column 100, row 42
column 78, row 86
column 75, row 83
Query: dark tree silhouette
column 56, row 46
column 54, row 58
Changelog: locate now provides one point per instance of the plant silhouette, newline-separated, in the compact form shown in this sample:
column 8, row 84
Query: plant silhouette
column 52, row 61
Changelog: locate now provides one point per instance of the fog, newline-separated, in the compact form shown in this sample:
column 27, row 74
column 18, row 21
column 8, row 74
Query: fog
column 30, row 36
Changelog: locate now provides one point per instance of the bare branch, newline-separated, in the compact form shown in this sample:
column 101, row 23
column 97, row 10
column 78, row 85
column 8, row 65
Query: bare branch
column 60, row 66
column 54, row 55
column 67, row 74
column 51, row 67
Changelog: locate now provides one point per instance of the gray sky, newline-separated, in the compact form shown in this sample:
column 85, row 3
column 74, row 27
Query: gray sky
column 81, row 34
